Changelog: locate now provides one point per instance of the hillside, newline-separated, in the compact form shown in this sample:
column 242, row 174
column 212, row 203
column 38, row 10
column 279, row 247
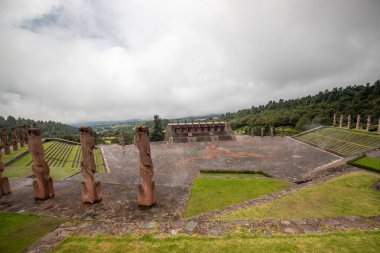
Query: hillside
column 48, row 128
column 307, row 112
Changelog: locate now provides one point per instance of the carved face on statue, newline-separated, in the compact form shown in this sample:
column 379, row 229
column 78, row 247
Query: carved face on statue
column 36, row 150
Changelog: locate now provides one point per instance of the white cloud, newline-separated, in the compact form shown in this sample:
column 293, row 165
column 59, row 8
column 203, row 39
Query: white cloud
column 94, row 60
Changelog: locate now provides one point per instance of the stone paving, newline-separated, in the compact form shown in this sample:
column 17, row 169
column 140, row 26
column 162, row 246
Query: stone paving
column 176, row 165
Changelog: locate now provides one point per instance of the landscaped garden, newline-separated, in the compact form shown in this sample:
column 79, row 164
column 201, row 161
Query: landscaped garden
column 366, row 162
column 346, row 195
column 216, row 190
column 342, row 141
column 63, row 159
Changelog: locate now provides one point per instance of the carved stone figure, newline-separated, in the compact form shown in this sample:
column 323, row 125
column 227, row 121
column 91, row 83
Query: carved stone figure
column 368, row 122
column 349, row 121
column 358, row 122
column 271, row 131
column 14, row 139
column 282, row 131
column 26, row 131
column 43, row 185
column 334, row 120
column 4, row 138
column 4, row 183
column 341, row 121
column 91, row 190
column 21, row 136
column 262, row 131
column 146, row 195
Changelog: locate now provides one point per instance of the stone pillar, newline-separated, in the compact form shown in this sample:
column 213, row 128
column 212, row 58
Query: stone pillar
column 43, row 185
column 341, row 121
column 271, row 131
column 21, row 136
column 358, row 122
column 14, row 139
column 91, row 190
column 368, row 122
column 4, row 138
column 282, row 131
column 252, row 132
column 262, row 131
column 349, row 121
column 146, row 195
column 26, row 133
column 4, row 183
column 334, row 120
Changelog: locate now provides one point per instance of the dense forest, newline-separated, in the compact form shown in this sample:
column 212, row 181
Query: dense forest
column 310, row 111
column 48, row 128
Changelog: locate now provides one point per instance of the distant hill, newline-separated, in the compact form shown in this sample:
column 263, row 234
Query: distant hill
column 48, row 128
column 107, row 122
column 306, row 112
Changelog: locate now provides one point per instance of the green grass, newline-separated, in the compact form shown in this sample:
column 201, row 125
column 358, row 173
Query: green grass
column 342, row 141
column 346, row 195
column 18, row 231
column 353, row 241
column 13, row 154
column 212, row 191
column 20, row 168
column 367, row 162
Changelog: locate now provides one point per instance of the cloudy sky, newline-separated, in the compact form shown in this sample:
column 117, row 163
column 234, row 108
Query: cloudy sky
column 75, row 60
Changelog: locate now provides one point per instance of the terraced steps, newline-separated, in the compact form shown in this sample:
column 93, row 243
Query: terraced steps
column 344, row 142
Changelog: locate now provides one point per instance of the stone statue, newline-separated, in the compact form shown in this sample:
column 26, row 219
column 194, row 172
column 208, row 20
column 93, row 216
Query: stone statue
column 43, row 185
column 14, row 139
column 262, row 132
column 91, row 190
column 358, row 122
column 341, row 121
column 271, row 131
column 282, row 131
column 4, row 183
column 146, row 195
column 368, row 122
column 4, row 138
column 349, row 121
column 334, row 120
column 26, row 131
column 21, row 136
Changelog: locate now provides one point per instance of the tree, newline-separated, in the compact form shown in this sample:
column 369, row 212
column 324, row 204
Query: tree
column 158, row 132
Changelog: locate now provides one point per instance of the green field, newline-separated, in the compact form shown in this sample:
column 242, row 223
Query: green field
column 341, row 141
column 13, row 154
column 353, row 241
column 346, row 195
column 216, row 190
column 18, row 231
column 63, row 159
column 367, row 162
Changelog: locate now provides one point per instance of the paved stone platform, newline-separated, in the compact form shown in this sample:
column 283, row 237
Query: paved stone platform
column 176, row 165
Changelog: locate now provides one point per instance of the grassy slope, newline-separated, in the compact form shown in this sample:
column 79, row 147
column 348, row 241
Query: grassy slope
column 18, row 231
column 210, row 193
column 346, row 195
column 371, row 163
column 355, row 241
column 13, row 154
column 20, row 169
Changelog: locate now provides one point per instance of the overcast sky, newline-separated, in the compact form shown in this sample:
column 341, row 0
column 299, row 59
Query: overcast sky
column 75, row 60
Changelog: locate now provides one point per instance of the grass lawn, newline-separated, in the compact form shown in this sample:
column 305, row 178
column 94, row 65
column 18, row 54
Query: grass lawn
column 354, row 241
column 20, row 168
column 367, row 162
column 346, row 195
column 18, row 231
column 216, row 190
column 13, row 154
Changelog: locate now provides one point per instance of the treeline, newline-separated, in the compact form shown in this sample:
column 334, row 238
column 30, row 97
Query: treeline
column 307, row 112
column 50, row 129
